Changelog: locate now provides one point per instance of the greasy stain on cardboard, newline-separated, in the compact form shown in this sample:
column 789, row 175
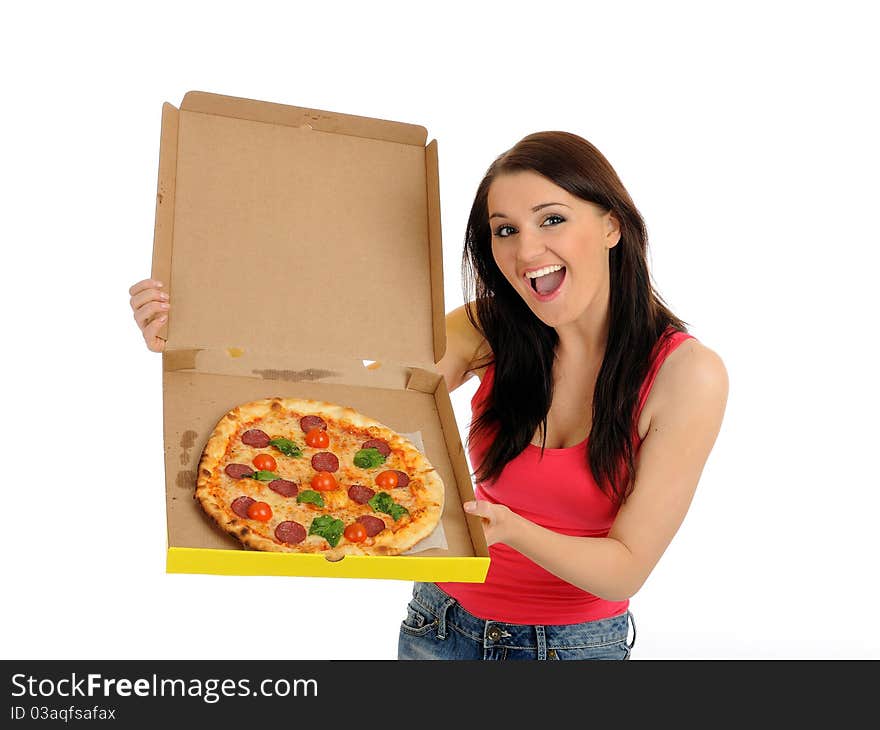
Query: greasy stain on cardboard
column 186, row 479
column 187, row 441
column 296, row 375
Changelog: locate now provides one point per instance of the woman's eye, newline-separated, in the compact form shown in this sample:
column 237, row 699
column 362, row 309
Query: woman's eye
column 501, row 229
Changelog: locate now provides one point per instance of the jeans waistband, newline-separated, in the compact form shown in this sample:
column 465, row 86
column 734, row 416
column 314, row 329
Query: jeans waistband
column 451, row 616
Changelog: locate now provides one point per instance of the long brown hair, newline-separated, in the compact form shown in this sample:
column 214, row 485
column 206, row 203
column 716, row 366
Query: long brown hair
column 523, row 347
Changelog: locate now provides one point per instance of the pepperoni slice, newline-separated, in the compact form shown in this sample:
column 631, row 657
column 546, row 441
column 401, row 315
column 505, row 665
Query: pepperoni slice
column 325, row 461
column 307, row 423
column 284, row 487
column 290, row 532
column 240, row 506
column 255, row 437
column 402, row 478
column 381, row 446
column 360, row 493
column 372, row 524
column 238, row 471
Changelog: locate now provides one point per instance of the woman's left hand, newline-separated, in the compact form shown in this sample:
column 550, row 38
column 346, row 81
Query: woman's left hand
column 497, row 519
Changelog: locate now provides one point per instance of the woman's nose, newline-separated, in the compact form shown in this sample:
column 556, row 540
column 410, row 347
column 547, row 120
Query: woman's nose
column 531, row 246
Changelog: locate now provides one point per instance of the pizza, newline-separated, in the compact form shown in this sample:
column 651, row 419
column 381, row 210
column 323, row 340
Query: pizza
column 308, row 476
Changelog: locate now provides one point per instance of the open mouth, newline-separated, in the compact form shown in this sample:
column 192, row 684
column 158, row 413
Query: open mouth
column 547, row 285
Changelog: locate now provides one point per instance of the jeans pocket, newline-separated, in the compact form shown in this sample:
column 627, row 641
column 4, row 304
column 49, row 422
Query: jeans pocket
column 617, row 650
column 417, row 621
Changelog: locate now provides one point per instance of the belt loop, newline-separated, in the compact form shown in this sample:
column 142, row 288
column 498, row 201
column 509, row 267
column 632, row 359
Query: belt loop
column 542, row 642
column 632, row 620
column 441, row 623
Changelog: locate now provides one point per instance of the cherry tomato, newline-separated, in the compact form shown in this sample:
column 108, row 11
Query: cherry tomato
column 260, row 511
column 324, row 481
column 355, row 532
column 387, row 479
column 265, row 462
column 317, row 438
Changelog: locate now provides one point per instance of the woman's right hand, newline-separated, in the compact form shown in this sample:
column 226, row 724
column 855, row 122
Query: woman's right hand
column 150, row 306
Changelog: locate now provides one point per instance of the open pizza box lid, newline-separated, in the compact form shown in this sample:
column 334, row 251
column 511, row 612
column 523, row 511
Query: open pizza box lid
column 301, row 251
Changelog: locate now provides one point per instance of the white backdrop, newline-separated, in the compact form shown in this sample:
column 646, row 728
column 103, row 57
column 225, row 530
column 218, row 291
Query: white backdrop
column 747, row 136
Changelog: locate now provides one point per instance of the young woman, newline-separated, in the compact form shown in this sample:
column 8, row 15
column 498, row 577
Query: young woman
column 594, row 417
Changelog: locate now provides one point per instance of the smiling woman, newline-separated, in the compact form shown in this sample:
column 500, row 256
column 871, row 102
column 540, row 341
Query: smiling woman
column 544, row 246
column 594, row 417
column 595, row 414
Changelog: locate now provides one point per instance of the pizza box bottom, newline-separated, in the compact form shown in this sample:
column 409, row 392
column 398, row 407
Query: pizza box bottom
column 195, row 402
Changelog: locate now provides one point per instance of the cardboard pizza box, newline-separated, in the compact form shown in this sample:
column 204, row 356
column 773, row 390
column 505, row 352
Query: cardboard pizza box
column 301, row 250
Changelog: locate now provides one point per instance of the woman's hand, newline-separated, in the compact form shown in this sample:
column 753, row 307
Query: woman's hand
column 150, row 306
column 498, row 520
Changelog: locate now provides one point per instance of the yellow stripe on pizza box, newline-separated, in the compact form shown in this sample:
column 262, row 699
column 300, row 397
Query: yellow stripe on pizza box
column 399, row 567
column 301, row 250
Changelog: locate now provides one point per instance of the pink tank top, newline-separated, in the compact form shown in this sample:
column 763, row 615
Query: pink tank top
column 568, row 501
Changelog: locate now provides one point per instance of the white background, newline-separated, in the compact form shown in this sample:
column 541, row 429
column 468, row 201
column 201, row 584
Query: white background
column 747, row 136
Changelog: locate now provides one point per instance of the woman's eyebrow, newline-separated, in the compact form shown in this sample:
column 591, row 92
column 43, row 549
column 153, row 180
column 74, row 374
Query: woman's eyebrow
column 534, row 210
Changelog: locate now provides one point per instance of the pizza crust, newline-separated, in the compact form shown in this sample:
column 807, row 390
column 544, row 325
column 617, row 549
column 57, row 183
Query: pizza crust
column 426, row 485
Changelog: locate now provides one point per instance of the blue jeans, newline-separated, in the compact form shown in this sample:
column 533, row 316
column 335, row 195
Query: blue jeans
column 437, row 627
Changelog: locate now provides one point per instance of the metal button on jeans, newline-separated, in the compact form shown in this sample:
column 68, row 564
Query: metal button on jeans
column 551, row 654
column 494, row 633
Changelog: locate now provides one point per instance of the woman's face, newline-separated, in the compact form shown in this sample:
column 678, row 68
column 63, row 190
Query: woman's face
column 528, row 235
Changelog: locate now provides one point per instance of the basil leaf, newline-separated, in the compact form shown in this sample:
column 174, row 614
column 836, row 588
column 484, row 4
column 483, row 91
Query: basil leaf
column 382, row 502
column 265, row 476
column 397, row 511
column 368, row 458
column 327, row 527
column 286, row 446
column 311, row 497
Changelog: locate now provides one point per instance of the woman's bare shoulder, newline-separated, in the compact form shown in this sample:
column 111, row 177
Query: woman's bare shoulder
column 692, row 360
column 691, row 367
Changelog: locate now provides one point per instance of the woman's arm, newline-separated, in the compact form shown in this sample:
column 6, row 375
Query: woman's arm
column 464, row 344
column 683, row 430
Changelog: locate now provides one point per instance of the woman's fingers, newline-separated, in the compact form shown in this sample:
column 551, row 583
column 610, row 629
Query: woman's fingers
column 150, row 307
column 151, row 337
column 148, row 295
column 479, row 507
column 144, row 284
column 496, row 519
column 146, row 312
column 147, row 300
column 146, row 291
